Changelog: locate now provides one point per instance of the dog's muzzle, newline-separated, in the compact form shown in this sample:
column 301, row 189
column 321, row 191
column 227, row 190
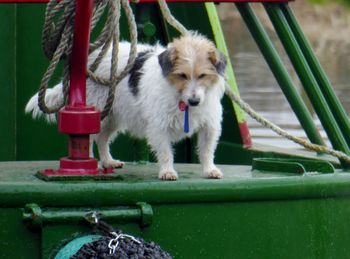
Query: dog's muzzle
column 193, row 101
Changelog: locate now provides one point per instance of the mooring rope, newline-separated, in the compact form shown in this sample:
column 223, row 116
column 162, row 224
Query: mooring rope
column 245, row 107
column 57, row 40
column 252, row 113
column 170, row 18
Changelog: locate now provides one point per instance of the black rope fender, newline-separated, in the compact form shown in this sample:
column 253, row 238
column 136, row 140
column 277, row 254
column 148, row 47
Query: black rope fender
column 116, row 245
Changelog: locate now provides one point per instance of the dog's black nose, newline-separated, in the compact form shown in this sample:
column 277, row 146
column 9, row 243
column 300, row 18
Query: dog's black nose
column 193, row 101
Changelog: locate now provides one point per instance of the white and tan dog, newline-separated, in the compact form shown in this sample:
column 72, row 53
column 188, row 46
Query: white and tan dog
column 190, row 71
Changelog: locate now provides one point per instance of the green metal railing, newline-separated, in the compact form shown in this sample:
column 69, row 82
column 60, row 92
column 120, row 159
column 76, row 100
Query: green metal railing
column 314, row 80
column 307, row 77
column 280, row 72
column 321, row 77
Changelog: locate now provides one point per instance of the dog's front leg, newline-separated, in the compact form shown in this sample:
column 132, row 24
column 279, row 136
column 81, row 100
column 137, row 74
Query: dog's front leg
column 161, row 145
column 207, row 142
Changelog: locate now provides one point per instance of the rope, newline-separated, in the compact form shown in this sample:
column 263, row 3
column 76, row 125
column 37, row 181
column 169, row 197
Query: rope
column 57, row 40
column 281, row 132
column 114, row 244
column 170, row 18
column 55, row 47
column 244, row 106
column 115, row 79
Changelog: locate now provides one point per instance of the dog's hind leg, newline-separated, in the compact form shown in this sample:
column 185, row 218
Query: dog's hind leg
column 108, row 131
column 161, row 145
column 91, row 147
column 207, row 142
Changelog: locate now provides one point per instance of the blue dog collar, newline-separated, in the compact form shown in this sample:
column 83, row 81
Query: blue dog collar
column 184, row 108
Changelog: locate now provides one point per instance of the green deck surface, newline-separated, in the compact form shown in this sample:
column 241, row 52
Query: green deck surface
column 138, row 182
column 245, row 215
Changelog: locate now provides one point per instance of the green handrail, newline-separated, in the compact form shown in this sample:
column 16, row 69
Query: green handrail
column 280, row 72
column 320, row 75
column 309, row 82
column 221, row 44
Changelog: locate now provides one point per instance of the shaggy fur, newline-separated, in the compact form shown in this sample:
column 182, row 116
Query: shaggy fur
column 146, row 102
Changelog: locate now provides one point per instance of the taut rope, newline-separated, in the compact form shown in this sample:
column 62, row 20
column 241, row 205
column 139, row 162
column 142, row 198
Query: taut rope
column 318, row 148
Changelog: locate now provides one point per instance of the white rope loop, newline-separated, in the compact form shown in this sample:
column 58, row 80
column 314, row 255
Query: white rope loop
column 170, row 18
column 318, row 148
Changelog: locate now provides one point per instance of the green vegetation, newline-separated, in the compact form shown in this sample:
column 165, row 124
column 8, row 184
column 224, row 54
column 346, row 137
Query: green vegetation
column 345, row 2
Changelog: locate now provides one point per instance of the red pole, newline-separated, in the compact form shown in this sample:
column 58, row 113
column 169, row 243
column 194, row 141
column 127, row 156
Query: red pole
column 77, row 119
column 78, row 62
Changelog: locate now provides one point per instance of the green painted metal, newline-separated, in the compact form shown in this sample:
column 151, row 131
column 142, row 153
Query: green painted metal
column 306, row 77
column 146, row 214
column 298, row 166
column 280, row 72
column 320, row 75
column 31, row 64
column 36, row 216
column 17, row 240
column 271, row 165
column 8, row 106
column 19, row 186
column 148, row 29
column 248, row 214
column 293, row 229
column 309, row 228
column 221, row 45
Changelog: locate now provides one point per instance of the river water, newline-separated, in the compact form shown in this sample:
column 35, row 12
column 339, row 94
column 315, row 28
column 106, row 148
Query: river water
column 259, row 88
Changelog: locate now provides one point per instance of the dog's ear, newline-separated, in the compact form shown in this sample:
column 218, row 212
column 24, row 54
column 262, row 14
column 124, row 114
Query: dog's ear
column 219, row 61
column 166, row 61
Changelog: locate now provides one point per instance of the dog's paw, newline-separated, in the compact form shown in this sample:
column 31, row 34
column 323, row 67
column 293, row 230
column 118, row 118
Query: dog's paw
column 168, row 175
column 214, row 174
column 112, row 164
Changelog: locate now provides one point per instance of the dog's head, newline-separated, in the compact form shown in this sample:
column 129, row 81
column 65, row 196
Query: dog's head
column 192, row 65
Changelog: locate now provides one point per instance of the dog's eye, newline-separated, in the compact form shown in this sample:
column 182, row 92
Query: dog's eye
column 183, row 76
column 201, row 76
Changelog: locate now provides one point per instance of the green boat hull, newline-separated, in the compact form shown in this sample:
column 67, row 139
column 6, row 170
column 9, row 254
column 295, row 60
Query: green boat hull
column 248, row 214
column 269, row 208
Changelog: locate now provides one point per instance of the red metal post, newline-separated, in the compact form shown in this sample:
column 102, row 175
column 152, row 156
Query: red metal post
column 77, row 119
column 79, row 57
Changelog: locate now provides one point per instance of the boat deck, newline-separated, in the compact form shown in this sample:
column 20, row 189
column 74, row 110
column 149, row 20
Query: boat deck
column 19, row 185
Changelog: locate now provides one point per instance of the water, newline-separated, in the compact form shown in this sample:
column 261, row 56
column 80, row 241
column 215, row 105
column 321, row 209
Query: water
column 259, row 88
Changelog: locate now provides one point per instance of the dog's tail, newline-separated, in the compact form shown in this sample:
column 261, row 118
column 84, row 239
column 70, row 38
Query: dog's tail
column 54, row 98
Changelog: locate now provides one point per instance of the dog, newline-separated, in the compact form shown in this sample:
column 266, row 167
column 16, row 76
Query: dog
column 188, row 73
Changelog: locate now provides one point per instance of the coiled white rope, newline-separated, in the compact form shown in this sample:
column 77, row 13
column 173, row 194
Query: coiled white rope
column 57, row 41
